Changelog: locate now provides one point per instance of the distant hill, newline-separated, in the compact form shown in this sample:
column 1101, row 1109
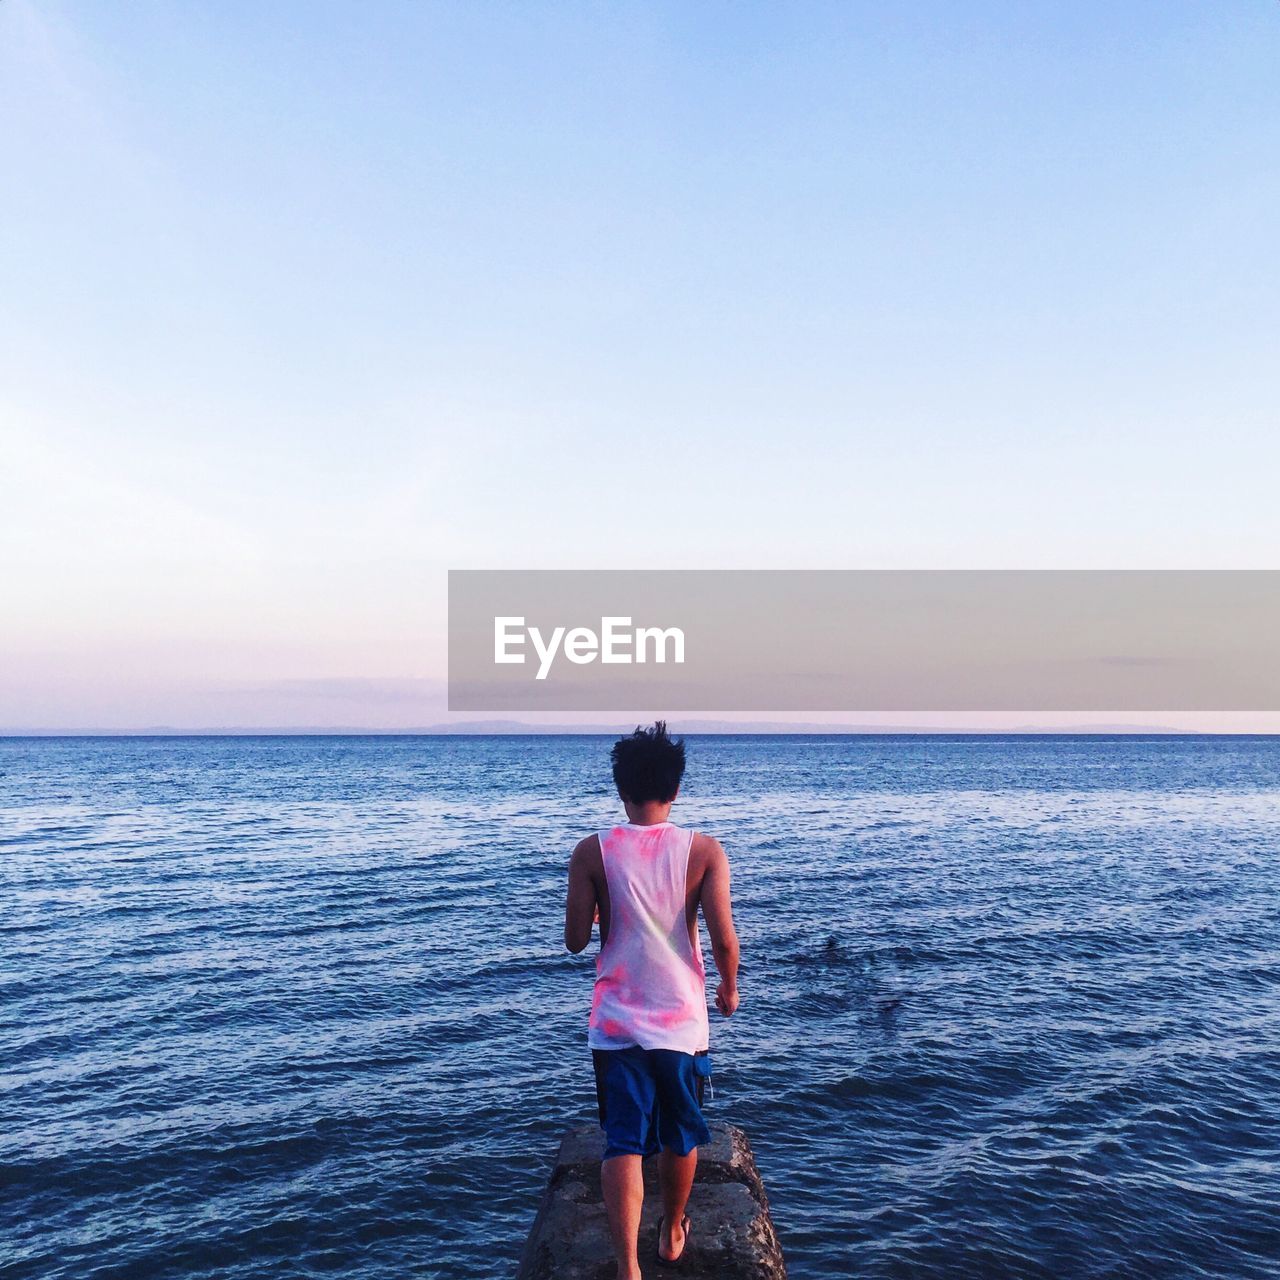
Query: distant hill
column 512, row 727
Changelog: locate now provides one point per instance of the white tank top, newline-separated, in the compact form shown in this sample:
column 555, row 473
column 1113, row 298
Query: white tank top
column 650, row 982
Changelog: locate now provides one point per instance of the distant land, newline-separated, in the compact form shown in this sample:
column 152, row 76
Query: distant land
column 514, row 727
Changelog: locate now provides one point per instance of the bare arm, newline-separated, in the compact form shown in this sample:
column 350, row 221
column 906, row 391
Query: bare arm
column 717, row 911
column 580, row 904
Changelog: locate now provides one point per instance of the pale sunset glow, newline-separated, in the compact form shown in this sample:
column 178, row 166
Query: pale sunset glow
column 303, row 305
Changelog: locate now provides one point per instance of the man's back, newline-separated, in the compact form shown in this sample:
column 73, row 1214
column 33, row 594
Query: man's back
column 650, row 987
column 707, row 886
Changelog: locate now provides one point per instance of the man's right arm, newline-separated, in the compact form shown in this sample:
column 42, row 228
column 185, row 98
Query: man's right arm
column 717, row 911
column 580, row 901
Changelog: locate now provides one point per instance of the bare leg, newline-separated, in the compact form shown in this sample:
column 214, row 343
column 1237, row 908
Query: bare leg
column 675, row 1177
column 623, row 1184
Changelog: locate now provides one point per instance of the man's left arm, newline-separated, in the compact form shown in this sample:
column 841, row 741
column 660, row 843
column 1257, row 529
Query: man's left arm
column 580, row 904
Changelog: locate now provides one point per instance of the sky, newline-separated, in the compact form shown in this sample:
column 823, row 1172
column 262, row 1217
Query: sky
column 302, row 305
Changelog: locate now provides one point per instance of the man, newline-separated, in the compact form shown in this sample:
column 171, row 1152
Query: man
column 644, row 881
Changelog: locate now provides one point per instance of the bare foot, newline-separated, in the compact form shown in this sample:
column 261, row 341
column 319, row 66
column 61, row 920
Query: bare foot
column 671, row 1240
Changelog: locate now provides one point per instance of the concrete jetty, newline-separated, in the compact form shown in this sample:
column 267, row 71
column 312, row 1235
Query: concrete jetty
column 731, row 1236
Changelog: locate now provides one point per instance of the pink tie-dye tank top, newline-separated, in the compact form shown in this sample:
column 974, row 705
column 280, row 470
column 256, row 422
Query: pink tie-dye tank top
column 650, row 982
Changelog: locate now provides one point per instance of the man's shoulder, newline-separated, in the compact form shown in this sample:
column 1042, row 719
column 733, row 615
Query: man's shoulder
column 588, row 849
column 706, row 849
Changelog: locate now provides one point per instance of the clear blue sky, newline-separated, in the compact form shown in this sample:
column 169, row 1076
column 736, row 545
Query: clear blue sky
column 304, row 303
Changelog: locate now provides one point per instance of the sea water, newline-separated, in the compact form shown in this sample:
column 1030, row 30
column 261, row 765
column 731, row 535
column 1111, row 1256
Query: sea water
column 296, row 1007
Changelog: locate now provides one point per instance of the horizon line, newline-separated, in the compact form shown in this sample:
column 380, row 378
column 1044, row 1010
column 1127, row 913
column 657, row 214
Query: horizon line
column 605, row 731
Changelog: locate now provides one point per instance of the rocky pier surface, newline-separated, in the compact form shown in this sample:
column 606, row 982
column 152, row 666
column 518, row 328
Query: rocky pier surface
column 731, row 1236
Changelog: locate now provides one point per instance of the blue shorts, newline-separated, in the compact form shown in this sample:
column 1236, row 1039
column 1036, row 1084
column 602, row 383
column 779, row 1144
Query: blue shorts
column 649, row 1099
